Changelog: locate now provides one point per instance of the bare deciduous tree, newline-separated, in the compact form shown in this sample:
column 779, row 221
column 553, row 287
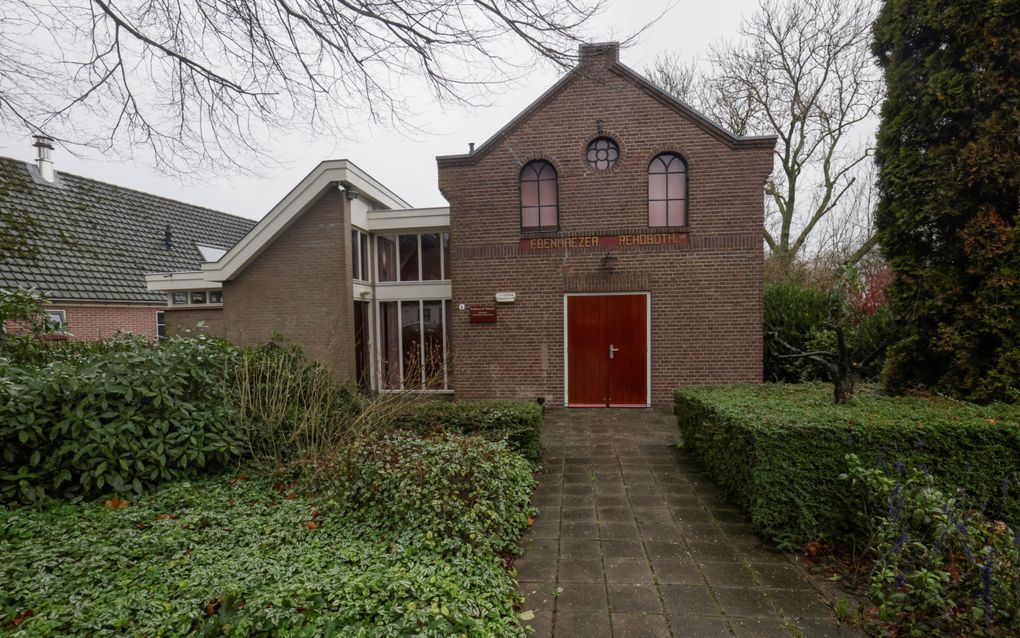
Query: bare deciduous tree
column 802, row 71
column 203, row 84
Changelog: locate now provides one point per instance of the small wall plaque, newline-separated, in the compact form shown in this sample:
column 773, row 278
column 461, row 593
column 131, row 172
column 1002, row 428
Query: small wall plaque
column 482, row 314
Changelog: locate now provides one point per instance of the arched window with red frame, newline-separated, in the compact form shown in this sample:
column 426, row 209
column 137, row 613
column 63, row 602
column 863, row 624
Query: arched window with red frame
column 539, row 196
column 667, row 191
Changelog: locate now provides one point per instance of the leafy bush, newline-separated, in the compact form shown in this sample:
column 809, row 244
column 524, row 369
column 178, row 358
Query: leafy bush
column 115, row 418
column 941, row 567
column 288, row 408
column 455, row 490
column 795, row 312
column 248, row 558
column 777, row 450
column 516, row 422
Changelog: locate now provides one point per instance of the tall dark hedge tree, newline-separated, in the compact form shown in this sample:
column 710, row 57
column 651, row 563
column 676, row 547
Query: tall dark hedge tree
column 949, row 176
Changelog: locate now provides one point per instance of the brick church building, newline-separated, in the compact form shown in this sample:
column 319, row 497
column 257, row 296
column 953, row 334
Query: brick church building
column 601, row 249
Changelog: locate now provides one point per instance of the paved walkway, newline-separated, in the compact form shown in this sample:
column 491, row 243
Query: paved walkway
column 632, row 540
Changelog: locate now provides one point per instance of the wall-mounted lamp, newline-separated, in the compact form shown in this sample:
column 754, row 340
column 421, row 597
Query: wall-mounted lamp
column 351, row 193
column 608, row 261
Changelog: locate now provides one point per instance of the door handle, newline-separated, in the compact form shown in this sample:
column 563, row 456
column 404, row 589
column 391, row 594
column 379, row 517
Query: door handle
column 612, row 350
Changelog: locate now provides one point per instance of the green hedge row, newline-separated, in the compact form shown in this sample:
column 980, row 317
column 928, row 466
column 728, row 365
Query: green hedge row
column 411, row 543
column 778, row 451
column 114, row 418
column 516, row 422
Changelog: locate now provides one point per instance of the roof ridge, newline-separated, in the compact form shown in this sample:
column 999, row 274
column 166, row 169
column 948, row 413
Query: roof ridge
column 139, row 192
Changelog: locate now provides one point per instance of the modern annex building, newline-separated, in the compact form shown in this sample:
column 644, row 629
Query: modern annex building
column 601, row 249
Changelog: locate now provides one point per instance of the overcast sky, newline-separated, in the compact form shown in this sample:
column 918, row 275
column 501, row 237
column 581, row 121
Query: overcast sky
column 407, row 165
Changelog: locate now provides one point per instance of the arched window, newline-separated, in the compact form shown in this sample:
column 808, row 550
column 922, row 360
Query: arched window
column 667, row 191
column 539, row 196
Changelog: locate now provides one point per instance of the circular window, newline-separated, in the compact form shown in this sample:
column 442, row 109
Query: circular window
column 602, row 153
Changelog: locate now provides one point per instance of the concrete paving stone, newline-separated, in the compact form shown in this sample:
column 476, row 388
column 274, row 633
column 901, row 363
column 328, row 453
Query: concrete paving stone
column 545, row 528
column 681, row 499
column 727, row 575
column 641, row 498
column 691, row 514
column 622, row 549
column 761, row 554
column 689, row 600
column 541, row 625
column 705, row 551
column 614, row 489
column 621, row 531
column 538, row 596
column 628, row 571
column 579, row 529
column 677, row 572
column 634, row 598
column 575, row 489
column 666, row 550
column 798, row 603
column 580, row 548
column 780, row 576
column 699, row 627
column 581, row 624
column 773, row 627
column 572, row 514
column 540, row 548
column 582, row 596
column 699, row 531
column 578, row 570
column 653, row 515
column 744, row 601
column 578, row 500
column 661, row 532
column 640, row 626
column 616, row 514
column 535, row 568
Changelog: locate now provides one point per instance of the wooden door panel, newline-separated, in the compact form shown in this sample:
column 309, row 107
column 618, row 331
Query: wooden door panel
column 587, row 371
column 626, row 331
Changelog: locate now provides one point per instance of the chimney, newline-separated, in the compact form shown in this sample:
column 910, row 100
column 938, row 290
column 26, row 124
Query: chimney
column 601, row 53
column 44, row 156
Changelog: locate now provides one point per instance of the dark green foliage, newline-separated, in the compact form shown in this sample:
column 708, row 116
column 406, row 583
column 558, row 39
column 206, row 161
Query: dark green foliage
column 796, row 312
column 777, row 450
column 941, row 568
column 516, row 422
column 949, row 177
column 115, row 418
column 248, row 558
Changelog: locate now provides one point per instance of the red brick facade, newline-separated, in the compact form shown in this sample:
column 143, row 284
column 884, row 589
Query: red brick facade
column 89, row 322
column 706, row 296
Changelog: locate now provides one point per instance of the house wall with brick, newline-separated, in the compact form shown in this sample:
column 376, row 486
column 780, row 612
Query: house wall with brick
column 299, row 287
column 90, row 322
column 706, row 295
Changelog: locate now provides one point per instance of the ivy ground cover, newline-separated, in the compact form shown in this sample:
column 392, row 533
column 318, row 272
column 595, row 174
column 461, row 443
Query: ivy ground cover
column 412, row 538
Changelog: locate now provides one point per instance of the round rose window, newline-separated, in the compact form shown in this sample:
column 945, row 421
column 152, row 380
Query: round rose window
column 602, row 153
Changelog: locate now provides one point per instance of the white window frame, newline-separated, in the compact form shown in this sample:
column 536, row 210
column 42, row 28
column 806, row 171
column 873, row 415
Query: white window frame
column 61, row 322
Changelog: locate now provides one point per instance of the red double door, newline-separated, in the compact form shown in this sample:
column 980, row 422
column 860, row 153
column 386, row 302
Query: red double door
column 607, row 350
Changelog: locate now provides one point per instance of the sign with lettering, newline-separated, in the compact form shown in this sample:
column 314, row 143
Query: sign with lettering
column 482, row 314
column 605, row 241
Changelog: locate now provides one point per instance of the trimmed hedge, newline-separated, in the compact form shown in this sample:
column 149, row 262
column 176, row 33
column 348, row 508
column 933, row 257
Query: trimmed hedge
column 778, row 451
column 518, row 423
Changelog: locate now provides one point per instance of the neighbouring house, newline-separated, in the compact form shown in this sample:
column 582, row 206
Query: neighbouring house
column 601, row 249
column 93, row 243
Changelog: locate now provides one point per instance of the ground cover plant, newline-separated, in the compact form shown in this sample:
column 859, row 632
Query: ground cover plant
column 778, row 450
column 413, row 541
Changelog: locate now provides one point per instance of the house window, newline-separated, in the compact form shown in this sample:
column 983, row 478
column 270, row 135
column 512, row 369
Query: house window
column 197, row 296
column 446, row 255
column 362, row 369
column 431, row 257
column 180, row 297
column 667, row 191
column 389, row 344
column 215, row 296
column 359, row 255
column 160, row 325
column 539, row 196
column 414, row 344
column 57, row 319
column 386, row 258
column 602, row 153
column 408, row 257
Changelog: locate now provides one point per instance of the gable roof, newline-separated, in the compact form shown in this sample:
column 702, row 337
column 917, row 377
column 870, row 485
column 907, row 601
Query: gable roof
column 608, row 52
column 96, row 241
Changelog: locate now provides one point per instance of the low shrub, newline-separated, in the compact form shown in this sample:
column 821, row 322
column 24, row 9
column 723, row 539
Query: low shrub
column 114, row 418
column 516, row 422
column 778, row 450
column 406, row 548
column 941, row 567
column 455, row 490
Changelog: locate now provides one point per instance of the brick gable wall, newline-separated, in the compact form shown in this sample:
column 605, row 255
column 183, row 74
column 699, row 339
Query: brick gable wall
column 706, row 296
